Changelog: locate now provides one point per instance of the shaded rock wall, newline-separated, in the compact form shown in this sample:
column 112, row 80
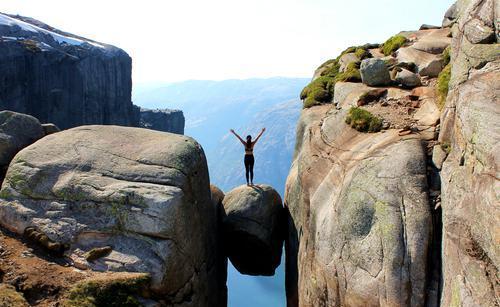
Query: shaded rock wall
column 162, row 120
column 62, row 78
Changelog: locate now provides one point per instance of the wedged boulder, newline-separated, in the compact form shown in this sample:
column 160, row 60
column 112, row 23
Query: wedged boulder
column 374, row 72
column 253, row 229
column 16, row 132
column 428, row 64
column 143, row 193
column 407, row 78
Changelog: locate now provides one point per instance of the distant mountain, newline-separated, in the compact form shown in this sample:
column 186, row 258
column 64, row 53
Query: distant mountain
column 273, row 153
column 211, row 108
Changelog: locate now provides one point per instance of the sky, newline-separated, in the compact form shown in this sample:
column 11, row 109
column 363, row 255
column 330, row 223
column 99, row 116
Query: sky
column 231, row 39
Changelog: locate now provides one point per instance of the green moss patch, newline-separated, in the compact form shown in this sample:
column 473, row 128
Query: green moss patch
column 321, row 90
column 363, row 121
column 442, row 86
column 318, row 91
column 110, row 292
column 351, row 74
column 393, row 44
column 9, row 297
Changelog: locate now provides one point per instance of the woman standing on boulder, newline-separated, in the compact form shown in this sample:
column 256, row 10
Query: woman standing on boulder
column 249, row 159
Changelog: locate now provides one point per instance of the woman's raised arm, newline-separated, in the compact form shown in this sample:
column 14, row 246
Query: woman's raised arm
column 260, row 134
column 236, row 135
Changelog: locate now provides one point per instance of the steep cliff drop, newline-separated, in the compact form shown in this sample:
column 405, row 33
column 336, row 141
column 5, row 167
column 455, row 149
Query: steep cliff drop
column 364, row 190
column 69, row 80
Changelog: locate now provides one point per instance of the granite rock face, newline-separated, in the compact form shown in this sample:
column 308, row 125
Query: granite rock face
column 144, row 193
column 374, row 72
column 469, row 175
column 16, row 132
column 359, row 216
column 61, row 78
column 253, row 229
column 162, row 120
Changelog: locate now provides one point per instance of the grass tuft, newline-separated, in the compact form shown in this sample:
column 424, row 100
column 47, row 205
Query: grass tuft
column 112, row 293
column 363, row 121
column 393, row 44
column 442, row 86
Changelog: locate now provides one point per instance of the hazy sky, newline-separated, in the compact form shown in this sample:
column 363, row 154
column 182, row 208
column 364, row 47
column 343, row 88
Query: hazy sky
column 222, row 39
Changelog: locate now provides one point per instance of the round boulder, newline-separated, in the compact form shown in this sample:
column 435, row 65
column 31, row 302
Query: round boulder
column 374, row 72
column 407, row 78
column 253, row 229
column 16, row 132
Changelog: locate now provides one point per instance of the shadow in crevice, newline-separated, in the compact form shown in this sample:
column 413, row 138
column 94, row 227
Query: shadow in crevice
column 291, row 260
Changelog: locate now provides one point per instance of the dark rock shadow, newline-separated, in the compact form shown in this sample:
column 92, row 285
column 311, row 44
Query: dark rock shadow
column 291, row 259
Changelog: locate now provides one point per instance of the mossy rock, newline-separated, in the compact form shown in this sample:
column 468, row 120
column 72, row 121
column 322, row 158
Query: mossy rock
column 112, row 291
column 318, row 91
column 350, row 74
column 393, row 44
column 363, row 121
column 442, row 85
column 321, row 89
column 9, row 297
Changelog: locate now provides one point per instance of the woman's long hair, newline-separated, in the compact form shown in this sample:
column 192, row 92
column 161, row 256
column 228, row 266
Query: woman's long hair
column 249, row 141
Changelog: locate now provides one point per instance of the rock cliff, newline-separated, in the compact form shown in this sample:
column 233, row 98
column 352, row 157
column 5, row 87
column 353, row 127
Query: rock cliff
column 121, row 199
column 162, row 120
column 62, row 78
column 469, row 175
column 366, row 227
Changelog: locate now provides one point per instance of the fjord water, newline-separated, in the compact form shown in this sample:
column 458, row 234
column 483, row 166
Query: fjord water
column 251, row 291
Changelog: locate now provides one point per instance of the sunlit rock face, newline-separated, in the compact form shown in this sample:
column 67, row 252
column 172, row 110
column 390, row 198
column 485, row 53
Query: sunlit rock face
column 144, row 193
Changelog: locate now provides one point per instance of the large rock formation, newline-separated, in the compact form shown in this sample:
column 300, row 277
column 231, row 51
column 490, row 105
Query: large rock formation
column 253, row 229
column 363, row 228
column 144, row 193
column 16, row 132
column 162, row 120
column 359, row 216
column 469, row 176
column 63, row 78
column 368, row 225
